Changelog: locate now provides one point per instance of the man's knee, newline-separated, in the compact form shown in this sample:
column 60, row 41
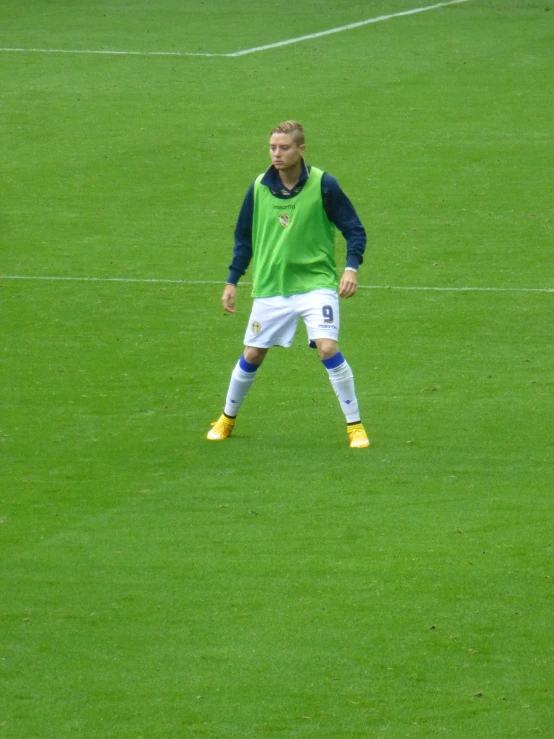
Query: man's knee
column 254, row 354
column 326, row 348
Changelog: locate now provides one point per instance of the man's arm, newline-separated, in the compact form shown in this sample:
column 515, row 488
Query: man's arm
column 342, row 213
column 242, row 253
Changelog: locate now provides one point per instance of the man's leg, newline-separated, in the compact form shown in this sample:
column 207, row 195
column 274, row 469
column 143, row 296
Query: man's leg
column 320, row 311
column 342, row 380
column 242, row 378
column 271, row 323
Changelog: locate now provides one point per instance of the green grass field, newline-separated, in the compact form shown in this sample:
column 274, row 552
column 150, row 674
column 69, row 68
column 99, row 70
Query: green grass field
column 278, row 584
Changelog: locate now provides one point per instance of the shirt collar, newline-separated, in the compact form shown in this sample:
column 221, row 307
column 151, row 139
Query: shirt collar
column 272, row 180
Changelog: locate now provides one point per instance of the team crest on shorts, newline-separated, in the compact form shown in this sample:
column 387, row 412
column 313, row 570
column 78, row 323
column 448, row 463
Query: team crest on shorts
column 284, row 220
column 256, row 328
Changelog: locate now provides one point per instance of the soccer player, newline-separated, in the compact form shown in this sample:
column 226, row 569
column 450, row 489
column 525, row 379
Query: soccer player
column 286, row 227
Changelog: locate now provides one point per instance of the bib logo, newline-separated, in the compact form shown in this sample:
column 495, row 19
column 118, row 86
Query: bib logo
column 256, row 328
column 284, row 220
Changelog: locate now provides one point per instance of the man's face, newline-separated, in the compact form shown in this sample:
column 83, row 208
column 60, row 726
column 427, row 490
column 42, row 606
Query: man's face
column 284, row 152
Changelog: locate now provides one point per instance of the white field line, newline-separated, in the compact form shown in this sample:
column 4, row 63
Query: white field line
column 166, row 281
column 348, row 27
column 243, row 52
column 113, row 52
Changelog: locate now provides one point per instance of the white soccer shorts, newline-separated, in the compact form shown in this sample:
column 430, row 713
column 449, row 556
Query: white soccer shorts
column 273, row 321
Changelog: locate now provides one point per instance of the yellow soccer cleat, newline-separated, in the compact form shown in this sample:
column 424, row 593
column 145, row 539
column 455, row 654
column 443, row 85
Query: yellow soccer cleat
column 357, row 435
column 221, row 428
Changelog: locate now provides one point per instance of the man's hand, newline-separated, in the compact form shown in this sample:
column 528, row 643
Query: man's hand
column 348, row 284
column 228, row 298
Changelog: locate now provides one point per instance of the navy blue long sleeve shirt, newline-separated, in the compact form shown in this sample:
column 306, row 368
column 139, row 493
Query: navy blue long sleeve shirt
column 338, row 208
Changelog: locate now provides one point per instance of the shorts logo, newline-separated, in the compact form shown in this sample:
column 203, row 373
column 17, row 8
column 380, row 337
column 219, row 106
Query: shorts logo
column 284, row 220
column 256, row 328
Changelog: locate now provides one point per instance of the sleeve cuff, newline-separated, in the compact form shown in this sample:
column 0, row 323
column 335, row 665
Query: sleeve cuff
column 353, row 262
column 233, row 278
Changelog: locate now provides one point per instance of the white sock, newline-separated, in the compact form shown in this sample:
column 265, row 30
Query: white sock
column 342, row 380
column 242, row 378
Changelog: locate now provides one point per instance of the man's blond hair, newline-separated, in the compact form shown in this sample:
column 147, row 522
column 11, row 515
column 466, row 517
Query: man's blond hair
column 293, row 128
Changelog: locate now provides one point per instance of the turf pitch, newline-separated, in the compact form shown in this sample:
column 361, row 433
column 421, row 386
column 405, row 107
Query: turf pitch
column 278, row 584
